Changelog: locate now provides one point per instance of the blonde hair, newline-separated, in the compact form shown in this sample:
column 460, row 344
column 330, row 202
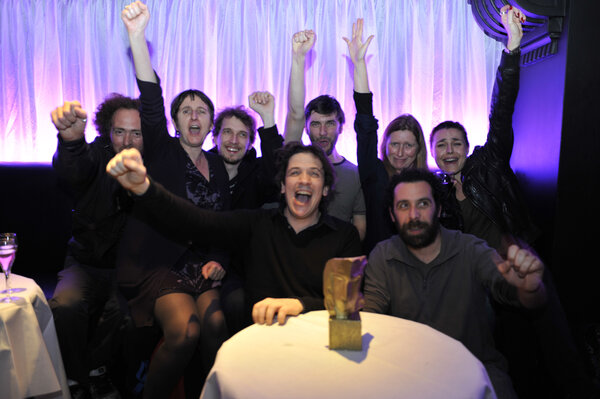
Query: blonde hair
column 410, row 123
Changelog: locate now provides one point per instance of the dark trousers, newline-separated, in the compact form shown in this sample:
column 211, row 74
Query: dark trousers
column 86, row 315
column 233, row 303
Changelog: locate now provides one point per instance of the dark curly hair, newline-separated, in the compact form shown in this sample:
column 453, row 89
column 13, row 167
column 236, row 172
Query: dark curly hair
column 295, row 147
column 106, row 111
column 240, row 113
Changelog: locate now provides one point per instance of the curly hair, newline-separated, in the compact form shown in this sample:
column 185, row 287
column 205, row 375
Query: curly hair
column 237, row 112
column 106, row 111
column 284, row 155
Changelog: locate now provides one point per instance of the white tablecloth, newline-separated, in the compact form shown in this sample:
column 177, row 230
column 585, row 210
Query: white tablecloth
column 400, row 359
column 30, row 361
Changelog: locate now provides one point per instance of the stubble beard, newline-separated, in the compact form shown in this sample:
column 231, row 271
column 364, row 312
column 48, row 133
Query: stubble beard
column 231, row 162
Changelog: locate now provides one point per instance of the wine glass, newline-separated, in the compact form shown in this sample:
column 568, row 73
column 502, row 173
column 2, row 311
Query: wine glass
column 8, row 250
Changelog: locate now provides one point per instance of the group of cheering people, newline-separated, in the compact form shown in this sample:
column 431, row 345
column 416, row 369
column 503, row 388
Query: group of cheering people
column 203, row 243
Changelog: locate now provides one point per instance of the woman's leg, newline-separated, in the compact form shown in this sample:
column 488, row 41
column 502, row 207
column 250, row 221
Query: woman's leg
column 180, row 324
column 213, row 332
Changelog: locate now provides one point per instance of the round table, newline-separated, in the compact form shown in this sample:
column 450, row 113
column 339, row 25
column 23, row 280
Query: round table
column 399, row 359
column 30, row 360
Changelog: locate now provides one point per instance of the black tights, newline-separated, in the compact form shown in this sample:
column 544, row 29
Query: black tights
column 193, row 333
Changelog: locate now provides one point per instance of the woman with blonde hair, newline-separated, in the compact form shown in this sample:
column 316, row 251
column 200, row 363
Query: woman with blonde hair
column 403, row 146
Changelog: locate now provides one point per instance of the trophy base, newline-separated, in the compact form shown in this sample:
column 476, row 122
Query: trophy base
column 345, row 334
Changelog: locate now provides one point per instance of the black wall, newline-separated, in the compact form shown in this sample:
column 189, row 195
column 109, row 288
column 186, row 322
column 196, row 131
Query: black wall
column 557, row 157
column 576, row 237
column 33, row 206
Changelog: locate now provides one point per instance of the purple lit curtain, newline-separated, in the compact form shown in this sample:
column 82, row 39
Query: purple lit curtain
column 428, row 58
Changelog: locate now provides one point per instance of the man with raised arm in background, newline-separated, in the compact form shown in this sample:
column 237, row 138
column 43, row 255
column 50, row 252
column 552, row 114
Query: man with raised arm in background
column 323, row 119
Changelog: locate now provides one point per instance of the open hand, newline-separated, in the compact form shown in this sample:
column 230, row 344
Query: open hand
column 356, row 47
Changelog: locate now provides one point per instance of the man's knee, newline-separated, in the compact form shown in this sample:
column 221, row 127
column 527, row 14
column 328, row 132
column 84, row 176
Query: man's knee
column 68, row 306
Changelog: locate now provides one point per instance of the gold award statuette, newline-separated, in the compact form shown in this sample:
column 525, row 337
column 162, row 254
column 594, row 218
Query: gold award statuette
column 343, row 300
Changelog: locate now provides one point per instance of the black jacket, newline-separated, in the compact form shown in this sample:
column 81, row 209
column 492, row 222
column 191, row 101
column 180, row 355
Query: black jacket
column 101, row 204
column 255, row 184
column 487, row 178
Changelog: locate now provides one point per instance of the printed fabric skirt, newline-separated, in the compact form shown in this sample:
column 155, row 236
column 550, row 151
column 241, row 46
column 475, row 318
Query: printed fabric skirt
column 183, row 277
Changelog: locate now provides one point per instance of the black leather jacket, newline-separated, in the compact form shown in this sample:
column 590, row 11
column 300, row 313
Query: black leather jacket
column 488, row 180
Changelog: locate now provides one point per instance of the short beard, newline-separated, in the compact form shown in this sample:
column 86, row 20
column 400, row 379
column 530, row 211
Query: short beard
column 329, row 151
column 422, row 240
column 230, row 162
column 332, row 143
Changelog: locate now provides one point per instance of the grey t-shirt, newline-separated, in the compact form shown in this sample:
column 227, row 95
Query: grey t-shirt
column 348, row 197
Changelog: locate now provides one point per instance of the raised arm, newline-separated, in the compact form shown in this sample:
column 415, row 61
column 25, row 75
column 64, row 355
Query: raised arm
column 72, row 160
column 512, row 20
column 500, row 137
column 70, row 119
column 365, row 123
column 270, row 141
column 357, row 50
column 302, row 42
column 174, row 216
column 135, row 16
column 263, row 103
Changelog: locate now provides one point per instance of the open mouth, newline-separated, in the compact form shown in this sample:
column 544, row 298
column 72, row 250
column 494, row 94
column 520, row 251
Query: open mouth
column 324, row 143
column 194, row 129
column 232, row 150
column 303, row 196
column 451, row 160
column 416, row 227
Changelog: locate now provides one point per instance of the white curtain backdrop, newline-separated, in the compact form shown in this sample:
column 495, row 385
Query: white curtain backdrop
column 429, row 58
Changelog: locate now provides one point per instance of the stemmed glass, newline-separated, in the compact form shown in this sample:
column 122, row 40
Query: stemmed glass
column 8, row 250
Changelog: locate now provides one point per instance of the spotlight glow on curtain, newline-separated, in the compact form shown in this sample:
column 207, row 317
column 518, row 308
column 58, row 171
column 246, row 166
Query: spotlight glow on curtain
column 429, row 58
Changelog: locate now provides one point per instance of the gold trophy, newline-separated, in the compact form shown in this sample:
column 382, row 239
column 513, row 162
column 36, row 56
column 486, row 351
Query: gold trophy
column 341, row 287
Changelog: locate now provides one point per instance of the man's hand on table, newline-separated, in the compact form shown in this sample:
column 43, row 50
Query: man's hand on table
column 264, row 311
